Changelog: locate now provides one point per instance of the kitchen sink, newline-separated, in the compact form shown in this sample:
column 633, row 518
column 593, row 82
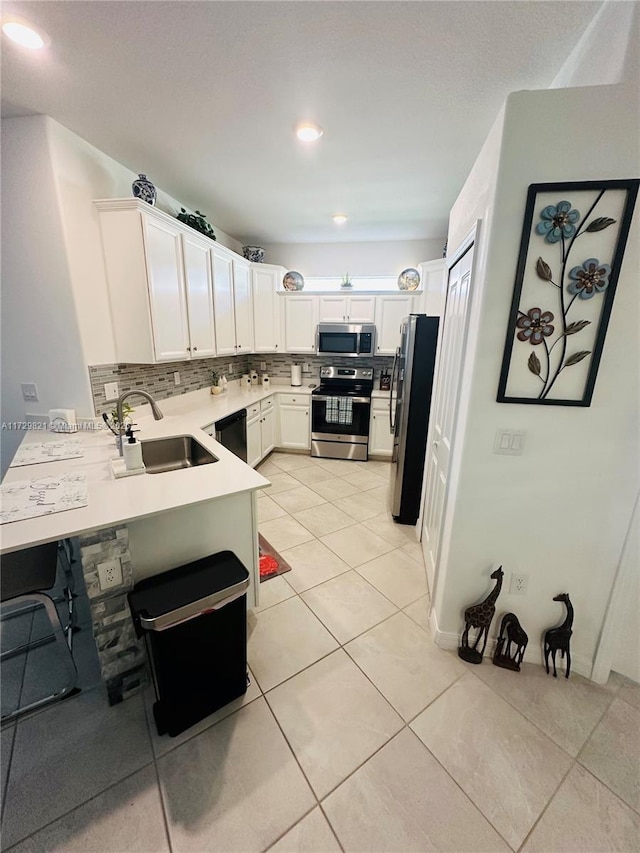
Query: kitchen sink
column 172, row 454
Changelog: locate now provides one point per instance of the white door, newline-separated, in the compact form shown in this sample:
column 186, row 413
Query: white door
column 268, row 432
column 300, row 321
column 242, row 306
column 197, row 269
column 443, row 419
column 333, row 309
column 294, row 427
column 380, row 438
column 254, row 441
column 222, row 266
column 390, row 312
column 266, row 310
column 166, row 291
column 361, row 309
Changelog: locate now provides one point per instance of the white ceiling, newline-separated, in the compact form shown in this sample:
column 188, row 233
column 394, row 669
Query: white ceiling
column 203, row 96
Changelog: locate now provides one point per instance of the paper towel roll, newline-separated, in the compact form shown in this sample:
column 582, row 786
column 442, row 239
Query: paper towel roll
column 296, row 374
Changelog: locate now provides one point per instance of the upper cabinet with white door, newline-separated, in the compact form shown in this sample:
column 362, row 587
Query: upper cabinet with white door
column 390, row 312
column 199, row 287
column 242, row 305
column 224, row 313
column 347, row 309
column 154, row 278
column 300, row 322
column 265, row 279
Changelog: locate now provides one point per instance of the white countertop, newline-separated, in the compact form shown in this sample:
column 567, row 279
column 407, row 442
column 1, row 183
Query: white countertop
column 114, row 501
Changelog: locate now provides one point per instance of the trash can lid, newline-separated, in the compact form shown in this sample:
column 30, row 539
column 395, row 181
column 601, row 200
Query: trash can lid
column 176, row 588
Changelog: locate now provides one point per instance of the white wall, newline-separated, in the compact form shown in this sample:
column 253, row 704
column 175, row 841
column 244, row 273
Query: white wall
column 559, row 512
column 607, row 52
column 41, row 339
column 385, row 258
column 82, row 173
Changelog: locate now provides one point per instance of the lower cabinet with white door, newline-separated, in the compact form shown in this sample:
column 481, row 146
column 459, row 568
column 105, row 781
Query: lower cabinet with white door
column 380, row 438
column 295, row 421
column 261, row 431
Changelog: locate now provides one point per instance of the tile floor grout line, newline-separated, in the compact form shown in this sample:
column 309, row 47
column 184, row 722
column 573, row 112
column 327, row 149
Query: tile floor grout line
column 537, row 726
column 334, row 832
column 167, row 831
column 435, row 699
column 546, row 805
column 78, row 806
column 5, row 787
column 605, row 785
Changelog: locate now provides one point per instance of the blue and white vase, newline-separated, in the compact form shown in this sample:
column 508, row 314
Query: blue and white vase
column 144, row 190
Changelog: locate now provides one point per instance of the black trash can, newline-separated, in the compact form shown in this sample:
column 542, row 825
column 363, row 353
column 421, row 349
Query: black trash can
column 194, row 622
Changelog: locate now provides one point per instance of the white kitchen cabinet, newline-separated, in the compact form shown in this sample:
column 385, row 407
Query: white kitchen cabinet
column 199, row 289
column 300, row 321
column 268, row 431
column 265, row 280
column 295, row 429
column 390, row 312
column 380, row 437
column 254, row 440
column 242, row 305
column 224, row 315
column 166, row 283
column 347, row 309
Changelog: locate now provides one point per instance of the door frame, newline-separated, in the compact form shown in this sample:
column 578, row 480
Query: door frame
column 470, row 241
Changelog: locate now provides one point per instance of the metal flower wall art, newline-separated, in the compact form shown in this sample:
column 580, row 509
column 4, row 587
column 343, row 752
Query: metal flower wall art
column 572, row 246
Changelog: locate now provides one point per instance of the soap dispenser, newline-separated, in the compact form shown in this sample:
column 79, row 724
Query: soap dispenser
column 132, row 452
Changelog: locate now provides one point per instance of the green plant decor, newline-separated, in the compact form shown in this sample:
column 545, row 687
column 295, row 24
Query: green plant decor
column 346, row 281
column 215, row 377
column 127, row 411
column 198, row 221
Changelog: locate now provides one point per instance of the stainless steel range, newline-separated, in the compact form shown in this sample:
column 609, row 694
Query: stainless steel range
column 340, row 411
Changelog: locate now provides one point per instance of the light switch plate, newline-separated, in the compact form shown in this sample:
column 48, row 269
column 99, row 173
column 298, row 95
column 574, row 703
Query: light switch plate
column 176, row 377
column 509, row 442
column 29, row 391
column 111, row 390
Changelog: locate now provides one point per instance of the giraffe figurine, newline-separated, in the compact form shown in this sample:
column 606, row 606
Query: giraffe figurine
column 511, row 631
column 479, row 616
column 558, row 639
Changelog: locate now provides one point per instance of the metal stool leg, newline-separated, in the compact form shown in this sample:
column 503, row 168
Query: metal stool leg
column 69, row 663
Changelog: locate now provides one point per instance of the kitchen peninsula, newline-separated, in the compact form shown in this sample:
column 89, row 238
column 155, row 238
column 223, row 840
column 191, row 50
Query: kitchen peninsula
column 149, row 523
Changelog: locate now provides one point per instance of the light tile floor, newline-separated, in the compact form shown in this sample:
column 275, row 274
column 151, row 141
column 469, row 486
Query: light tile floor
column 356, row 734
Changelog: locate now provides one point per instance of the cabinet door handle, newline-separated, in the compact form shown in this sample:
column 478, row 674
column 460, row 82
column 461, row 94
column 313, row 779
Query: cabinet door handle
column 188, row 349
column 195, row 349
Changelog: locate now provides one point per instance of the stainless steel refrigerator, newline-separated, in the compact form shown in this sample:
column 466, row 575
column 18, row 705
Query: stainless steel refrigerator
column 411, row 386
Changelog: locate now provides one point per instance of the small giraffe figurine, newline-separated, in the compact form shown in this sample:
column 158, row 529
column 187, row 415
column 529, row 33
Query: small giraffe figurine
column 557, row 639
column 511, row 631
column 480, row 616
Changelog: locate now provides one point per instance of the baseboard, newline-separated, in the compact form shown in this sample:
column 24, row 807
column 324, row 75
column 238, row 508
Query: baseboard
column 449, row 640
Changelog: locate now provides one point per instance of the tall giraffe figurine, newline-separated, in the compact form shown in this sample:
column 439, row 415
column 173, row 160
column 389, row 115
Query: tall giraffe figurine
column 557, row 639
column 480, row 616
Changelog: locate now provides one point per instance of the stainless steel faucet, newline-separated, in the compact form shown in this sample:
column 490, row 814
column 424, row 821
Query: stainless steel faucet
column 157, row 414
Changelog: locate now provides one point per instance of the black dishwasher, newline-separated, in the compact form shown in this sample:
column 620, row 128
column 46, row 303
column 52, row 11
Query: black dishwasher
column 231, row 432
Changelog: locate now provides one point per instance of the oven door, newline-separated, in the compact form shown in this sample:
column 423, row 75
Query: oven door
column 331, row 421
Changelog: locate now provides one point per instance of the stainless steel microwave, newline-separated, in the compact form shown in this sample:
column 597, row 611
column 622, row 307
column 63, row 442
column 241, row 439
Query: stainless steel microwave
column 348, row 339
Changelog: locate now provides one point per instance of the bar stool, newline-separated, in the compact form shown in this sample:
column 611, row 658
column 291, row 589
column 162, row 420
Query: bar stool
column 23, row 577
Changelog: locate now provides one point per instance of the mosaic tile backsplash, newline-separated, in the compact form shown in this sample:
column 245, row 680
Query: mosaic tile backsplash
column 157, row 379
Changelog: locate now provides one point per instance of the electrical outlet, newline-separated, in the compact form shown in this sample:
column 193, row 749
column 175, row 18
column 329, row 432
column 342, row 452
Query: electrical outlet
column 263, row 365
column 110, row 573
column 29, row 391
column 176, row 377
column 305, row 367
column 111, row 390
column 519, row 584
column 230, row 367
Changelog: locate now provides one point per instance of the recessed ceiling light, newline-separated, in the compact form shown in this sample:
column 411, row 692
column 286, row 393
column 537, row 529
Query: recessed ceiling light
column 339, row 218
column 24, row 34
column 308, row 131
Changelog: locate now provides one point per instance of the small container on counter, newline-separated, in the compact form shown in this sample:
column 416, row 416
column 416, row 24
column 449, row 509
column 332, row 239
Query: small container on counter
column 266, row 382
column 254, row 378
column 246, row 381
column 132, row 453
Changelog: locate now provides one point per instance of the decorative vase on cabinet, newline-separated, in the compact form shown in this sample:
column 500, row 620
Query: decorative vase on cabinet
column 143, row 189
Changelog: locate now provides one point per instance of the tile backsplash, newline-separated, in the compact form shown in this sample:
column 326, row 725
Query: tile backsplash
column 158, row 380
column 279, row 366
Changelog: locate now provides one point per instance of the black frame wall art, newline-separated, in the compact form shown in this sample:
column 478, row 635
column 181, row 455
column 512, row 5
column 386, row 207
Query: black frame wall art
column 573, row 242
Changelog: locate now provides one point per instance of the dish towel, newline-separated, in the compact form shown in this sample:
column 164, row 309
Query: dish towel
column 339, row 411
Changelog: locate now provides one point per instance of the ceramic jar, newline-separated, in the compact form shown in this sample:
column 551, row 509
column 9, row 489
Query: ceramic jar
column 144, row 190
